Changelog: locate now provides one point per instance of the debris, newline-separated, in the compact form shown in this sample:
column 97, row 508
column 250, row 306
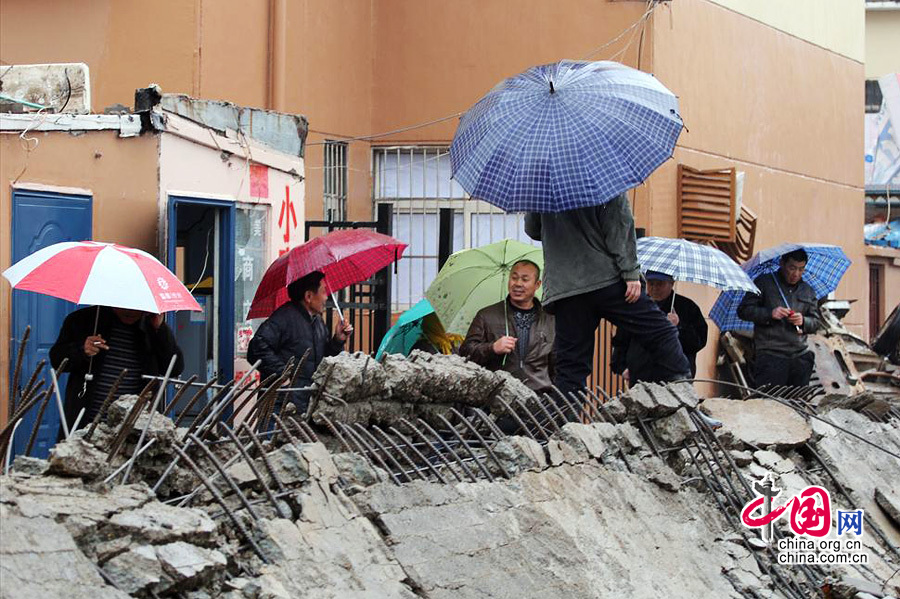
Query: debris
column 889, row 501
column 77, row 457
column 759, row 422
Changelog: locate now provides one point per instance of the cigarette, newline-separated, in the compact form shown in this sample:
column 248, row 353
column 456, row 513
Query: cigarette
column 98, row 342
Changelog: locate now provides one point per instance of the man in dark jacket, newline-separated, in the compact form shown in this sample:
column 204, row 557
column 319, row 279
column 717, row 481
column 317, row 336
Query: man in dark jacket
column 292, row 329
column 782, row 316
column 633, row 361
column 516, row 334
column 100, row 343
column 592, row 272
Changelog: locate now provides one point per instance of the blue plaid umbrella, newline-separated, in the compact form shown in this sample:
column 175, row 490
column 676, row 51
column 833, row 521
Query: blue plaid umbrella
column 564, row 136
column 688, row 261
column 826, row 265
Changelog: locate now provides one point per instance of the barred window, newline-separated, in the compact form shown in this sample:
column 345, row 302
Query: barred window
column 335, row 181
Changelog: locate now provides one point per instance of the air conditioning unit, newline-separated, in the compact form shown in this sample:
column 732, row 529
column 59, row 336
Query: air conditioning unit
column 50, row 88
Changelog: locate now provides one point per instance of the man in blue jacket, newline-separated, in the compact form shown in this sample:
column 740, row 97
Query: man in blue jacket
column 782, row 316
column 292, row 329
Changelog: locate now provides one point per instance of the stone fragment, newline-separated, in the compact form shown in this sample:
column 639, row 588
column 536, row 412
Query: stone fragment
column 559, row 452
column 741, row 458
column 889, row 501
column 767, row 459
column 518, row 454
column 672, row 430
column 184, row 562
column 759, row 422
column 685, row 393
column 30, row 465
column 849, row 586
column 76, row 457
column 119, row 409
column 616, row 409
column 135, row 570
column 355, row 470
column 629, row 437
column 161, row 523
column 638, row 401
column 659, row 473
column 583, row 438
column 666, row 401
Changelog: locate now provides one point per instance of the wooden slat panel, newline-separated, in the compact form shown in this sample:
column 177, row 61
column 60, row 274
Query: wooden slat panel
column 706, row 204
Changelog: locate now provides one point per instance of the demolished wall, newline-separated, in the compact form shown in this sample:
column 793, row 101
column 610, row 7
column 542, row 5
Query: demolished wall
column 628, row 504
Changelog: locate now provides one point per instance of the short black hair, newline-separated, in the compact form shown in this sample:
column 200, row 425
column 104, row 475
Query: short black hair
column 799, row 255
column 297, row 290
column 529, row 262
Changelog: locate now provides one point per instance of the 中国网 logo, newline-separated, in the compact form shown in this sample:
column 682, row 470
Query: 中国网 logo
column 810, row 518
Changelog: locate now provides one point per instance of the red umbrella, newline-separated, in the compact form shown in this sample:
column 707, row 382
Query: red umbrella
column 102, row 274
column 346, row 257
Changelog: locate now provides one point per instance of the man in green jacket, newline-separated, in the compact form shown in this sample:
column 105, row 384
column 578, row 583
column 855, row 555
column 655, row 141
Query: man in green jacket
column 516, row 334
column 592, row 272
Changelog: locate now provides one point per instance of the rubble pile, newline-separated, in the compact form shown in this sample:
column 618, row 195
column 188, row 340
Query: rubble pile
column 634, row 497
column 354, row 388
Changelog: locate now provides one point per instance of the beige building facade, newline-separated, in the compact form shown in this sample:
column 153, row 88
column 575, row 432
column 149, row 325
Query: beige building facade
column 770, row 92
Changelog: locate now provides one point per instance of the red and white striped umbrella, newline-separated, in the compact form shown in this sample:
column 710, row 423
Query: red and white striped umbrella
column 102, row 274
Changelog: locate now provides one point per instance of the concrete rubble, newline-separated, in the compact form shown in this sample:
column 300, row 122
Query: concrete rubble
column 630, row 499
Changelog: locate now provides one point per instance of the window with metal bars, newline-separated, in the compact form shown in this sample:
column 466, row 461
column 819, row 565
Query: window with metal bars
column 416, row 181
column 334, row 193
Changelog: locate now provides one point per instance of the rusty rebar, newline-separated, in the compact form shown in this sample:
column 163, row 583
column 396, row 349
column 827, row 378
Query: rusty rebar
column 37, row 421
column 193, row 400
column 265, row 458
column 304, row 438
column 420, row 455
column 6, row 433
column 368, row 452
column 518, row 420
column 481, row 440
column 547, row 414
column 128, row 424
column 449, row 448
column 363, row 433
column 32, row 381
column 221, row 501
column 206, row 411
column 309, row 430
column 11, row 408
column 105, row 406
column 468, row 448
column 211, row 457
column 184, row 387
column 521, row 405
column 406, row 458
column 433, row 447
column 490, row 424
column 334, row 431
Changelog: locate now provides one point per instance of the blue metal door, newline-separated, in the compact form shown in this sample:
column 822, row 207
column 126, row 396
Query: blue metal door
column 40, row 219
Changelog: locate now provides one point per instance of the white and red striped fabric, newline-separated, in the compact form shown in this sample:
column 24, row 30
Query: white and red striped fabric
column 102, row 274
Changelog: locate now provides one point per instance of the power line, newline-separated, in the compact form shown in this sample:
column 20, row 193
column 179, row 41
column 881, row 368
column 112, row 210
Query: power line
column 651, row 5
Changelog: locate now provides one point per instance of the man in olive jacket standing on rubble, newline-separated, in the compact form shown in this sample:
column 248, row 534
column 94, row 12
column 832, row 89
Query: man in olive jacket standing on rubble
column 592, row 272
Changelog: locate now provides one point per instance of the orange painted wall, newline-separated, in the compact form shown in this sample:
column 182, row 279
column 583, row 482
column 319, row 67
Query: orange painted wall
column 121, row 175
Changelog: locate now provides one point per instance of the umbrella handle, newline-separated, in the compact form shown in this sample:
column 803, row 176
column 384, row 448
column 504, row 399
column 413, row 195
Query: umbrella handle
column 337, row 306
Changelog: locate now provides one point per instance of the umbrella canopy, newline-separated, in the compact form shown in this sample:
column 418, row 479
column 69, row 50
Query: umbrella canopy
column 474, row 278
column 687, row 261
column 102, row 274
column 346, row 257
column 826, row 265
column 406, row 331
column 565, row 135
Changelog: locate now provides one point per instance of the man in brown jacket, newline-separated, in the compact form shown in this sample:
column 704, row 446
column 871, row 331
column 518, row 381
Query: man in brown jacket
column 516, row 334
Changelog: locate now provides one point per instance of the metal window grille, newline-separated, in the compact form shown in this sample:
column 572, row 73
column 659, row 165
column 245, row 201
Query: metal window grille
column 416, row 181
column 334, row 193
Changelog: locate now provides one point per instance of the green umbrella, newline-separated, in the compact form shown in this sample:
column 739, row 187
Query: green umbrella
column 403, row 335
column 475, row 278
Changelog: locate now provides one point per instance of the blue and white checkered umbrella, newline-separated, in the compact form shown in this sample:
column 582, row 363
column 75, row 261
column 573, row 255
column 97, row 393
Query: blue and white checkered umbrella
column 826, row 265
column 689, row 261
column 565, row 135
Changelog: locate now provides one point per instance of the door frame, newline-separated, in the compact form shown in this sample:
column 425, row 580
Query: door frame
column 225, row 308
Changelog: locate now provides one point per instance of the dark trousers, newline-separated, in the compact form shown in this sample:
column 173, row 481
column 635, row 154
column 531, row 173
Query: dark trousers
column 775, row 369
column 578, row 317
